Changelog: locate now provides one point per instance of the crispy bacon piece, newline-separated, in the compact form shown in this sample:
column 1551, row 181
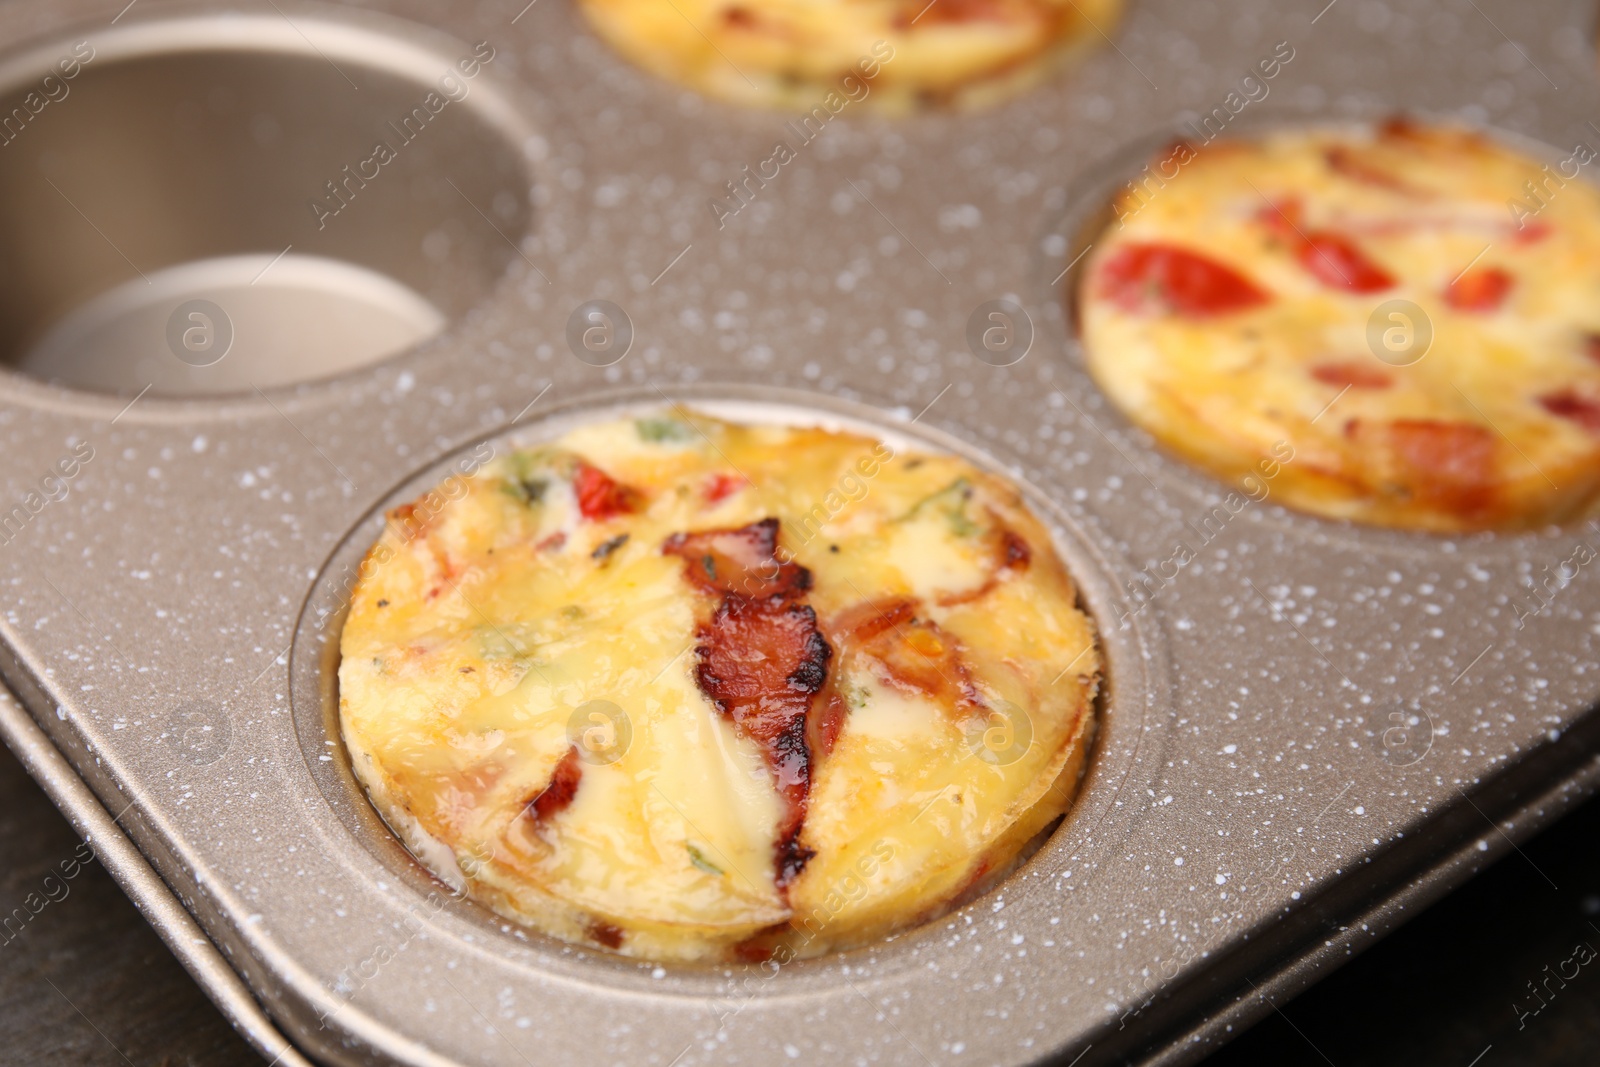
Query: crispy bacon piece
column 1567, row 404
column 761, row 662
column 1351, row 373
column 1450, row 465
column 1014, row 551
column 954, row 12
column 1402, row 128
column 826, row 724
column 599, row 496
column 562, row 788
column 1480, row 289
column 1456, row 452
column 1334, row 260
column 1591, row 346
column 921, row 657
column 1348, row 162
column 915, row 653
column 1011, row 553
column 606, row 934
column 1166, row 279
column 869, row 618
column 762, row 659
column 740, row 562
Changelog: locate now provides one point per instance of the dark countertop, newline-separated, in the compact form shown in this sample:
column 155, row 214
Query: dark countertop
column 85, row 981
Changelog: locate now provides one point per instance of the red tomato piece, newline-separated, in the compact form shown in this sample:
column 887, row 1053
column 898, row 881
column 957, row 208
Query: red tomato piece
column 722, row 485
column 1351, row 374
column 1569, row 405
column 1531, row 233
column 1334, row 260
column 1481, row 289
column 1172, row 280
column 1286, row 218
column 599, row 497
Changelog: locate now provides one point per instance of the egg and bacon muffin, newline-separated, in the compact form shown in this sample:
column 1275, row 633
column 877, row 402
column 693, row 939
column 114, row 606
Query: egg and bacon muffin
column 1411, row 312
column 692, row 690
column 892, row 55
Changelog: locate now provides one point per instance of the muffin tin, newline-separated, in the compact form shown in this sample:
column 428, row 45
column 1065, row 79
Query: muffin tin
column 1309, row 731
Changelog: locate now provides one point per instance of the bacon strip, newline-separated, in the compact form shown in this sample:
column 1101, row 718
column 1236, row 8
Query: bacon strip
column 1354, row 164
column 563, row 787
column 956, row 12
column 606, row 934
column 761, row 662
column 1352, row 374
column 1451, row 465
column 762, row 659
column 921, row 657
column 1568, row 404
column 740, row 562
column 1011, row 553
column 916, row 654
column 823, row 728
column 866, row 620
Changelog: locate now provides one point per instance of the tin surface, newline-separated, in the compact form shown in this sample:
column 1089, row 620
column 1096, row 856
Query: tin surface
column 1311, row 728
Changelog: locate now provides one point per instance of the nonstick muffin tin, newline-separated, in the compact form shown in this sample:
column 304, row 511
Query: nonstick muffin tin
column 1309, row 731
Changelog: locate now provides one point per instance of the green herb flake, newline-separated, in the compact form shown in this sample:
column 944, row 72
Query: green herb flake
column 698, row 858
column 663, row 431
column 603, row 552
column 952, row 502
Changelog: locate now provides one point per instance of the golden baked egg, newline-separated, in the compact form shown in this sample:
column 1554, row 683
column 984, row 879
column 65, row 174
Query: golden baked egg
column 890, row 55
column 1397, row 325
column 694, row 690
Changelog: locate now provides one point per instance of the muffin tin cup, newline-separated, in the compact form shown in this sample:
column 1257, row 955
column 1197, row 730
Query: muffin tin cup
column 1308, row 732
column 1126, row 749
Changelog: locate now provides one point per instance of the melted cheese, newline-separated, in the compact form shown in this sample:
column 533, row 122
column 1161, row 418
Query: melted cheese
column 1496, row 426
column 890, row 55
column 491, row 637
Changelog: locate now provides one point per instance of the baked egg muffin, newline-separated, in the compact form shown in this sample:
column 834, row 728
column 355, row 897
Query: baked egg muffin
column 824, row 55
column 1409, row 313
column 692, row 690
